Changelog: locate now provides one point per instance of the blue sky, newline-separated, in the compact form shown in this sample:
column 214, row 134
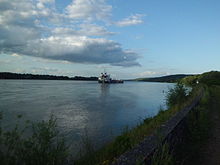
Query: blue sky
column 129, row 39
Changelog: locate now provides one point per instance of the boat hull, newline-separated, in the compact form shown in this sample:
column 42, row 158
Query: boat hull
column 110, row 82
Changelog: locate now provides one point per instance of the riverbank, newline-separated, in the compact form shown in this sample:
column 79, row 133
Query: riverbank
column 209, row 154
column 131, row 138
column 194, row 134
column 202, row 144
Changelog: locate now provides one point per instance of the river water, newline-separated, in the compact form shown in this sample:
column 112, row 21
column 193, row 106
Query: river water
column 100, row 110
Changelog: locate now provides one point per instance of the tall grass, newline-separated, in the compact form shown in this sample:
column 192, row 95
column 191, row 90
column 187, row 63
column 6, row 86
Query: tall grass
column 197, row 131
column 163, row 155
column 43, row 146
column 128, row 139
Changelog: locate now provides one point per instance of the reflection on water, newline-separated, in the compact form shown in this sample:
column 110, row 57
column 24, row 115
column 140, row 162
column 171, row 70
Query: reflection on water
column 102, row 109
column 104, row 89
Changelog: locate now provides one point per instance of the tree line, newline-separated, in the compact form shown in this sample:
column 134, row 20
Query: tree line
column 9, row 75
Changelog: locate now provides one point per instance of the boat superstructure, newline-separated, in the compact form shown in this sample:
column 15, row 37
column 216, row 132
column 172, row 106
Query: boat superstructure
column 105, row 78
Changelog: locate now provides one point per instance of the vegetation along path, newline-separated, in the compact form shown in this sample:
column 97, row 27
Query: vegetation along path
column 210, row 152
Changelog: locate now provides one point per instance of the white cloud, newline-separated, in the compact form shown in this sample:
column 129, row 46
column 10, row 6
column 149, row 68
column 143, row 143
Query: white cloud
column 46, row 1
column 81, row 49
column 41, row 3
column 46, row 61
column 131, row 20
column 89, row 9
column 150, row 73
column 84, row 29
column 35, row 28
column 94, row 30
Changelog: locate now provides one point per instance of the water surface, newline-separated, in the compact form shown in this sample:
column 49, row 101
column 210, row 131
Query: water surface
column 102, row 110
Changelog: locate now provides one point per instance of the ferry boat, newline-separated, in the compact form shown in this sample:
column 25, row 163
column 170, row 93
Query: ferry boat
column 106, row 79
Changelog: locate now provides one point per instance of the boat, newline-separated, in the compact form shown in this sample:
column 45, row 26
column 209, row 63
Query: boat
column 106, row 79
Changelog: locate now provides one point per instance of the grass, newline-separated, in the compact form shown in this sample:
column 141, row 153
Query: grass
column 43, row 146
column 200, row 122
column 197, row 131
column 132, row 137
column 163, row 156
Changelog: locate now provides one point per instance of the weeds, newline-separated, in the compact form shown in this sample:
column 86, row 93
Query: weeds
column 129, row 138
column 196, row 133
column 43, row 146
column 162, row 156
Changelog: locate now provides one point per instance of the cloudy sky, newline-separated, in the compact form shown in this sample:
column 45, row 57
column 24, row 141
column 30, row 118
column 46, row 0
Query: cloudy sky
column 128, row 38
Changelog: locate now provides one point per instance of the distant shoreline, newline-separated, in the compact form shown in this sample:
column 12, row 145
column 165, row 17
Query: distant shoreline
column 20, row 76
column 24, row 76
column 168, row 79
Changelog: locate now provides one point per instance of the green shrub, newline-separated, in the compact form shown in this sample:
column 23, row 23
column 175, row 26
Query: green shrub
column 176, row 95
column 43, row 146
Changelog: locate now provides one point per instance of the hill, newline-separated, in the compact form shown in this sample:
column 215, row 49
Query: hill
column 209, row 78
column 170, row 78
column 8, row 75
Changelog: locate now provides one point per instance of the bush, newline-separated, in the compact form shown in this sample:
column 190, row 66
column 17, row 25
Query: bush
column 176, row 95
column 43, row 146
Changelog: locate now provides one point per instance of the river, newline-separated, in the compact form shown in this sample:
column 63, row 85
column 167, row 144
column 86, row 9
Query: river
column 100, row 110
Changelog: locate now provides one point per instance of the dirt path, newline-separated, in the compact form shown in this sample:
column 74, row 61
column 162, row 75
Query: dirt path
column 210, row 153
